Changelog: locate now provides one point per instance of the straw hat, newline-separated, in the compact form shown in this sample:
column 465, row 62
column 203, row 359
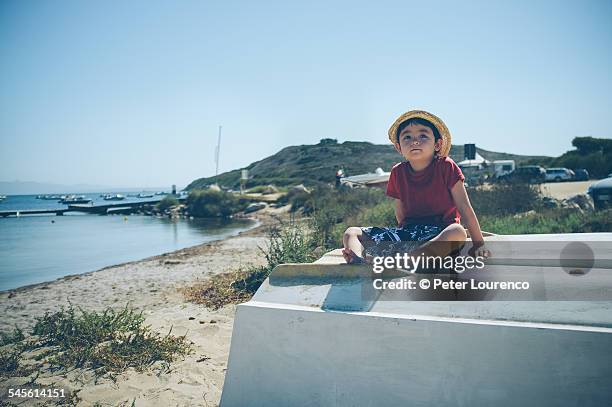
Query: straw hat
column 435, row 120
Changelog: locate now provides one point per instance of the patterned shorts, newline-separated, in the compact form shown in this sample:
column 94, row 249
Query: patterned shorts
column 389, row 241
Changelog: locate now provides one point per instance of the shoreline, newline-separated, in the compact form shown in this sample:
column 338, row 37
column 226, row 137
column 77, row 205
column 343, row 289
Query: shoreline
column 258, row 224
column 262, row 220
column 154, row 286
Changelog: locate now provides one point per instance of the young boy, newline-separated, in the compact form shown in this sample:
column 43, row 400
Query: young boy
column 430, row 198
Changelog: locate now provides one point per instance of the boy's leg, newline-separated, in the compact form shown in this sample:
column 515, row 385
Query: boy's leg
column 449, row 240
column 354, row 242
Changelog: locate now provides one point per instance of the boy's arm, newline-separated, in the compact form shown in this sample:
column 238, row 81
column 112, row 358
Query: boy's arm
column 462, row 202
column 399, row 212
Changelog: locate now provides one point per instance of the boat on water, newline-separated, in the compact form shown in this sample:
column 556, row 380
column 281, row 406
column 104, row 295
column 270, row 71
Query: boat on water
column 161, row 193
column 2, row 197
column 74, row 199
column 144, row 195
column 51, row 197
column 114, row 197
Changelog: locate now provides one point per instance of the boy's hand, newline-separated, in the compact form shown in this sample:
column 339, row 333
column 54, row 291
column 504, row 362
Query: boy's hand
column 478, row 249
column 351, row 258
column 347, row 254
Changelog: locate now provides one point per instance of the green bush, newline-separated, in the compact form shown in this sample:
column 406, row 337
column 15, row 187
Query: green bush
column 381, row 214
column 330, row 207
column 257, row 189
column 168, row 202
column 560, row 220
column 505, row 198
column 289, row 243
column 214, row 204
column 263, row 189
column 297, row 199
column 14, row 336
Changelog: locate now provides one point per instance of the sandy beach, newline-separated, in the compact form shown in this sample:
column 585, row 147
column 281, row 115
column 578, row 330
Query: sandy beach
column 152, row 285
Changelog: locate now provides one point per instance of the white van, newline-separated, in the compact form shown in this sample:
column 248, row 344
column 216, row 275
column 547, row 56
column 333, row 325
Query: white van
column 559, row 174
column 503, row 167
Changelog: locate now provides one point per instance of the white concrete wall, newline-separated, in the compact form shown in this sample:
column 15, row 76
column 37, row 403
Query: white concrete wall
column 302, row 357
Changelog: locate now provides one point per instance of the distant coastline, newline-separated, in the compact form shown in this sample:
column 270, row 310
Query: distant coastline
column 42, row 188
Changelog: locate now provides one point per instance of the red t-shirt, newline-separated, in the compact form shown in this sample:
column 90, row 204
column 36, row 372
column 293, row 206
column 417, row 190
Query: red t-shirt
column 426, row 195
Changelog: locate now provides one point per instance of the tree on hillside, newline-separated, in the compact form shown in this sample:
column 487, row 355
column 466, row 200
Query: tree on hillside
column 328, row 141
column 593, row 154
column 589, row 145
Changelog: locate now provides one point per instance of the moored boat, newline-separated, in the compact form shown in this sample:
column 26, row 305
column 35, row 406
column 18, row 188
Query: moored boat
column 73, row 199
column 49, row 197
column 114, row 197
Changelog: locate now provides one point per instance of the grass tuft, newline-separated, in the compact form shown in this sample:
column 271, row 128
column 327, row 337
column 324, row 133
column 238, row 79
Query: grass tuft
column 109, row 341
column 11, row 361
column 232, row 287
column 15, row 336
column 290, row 242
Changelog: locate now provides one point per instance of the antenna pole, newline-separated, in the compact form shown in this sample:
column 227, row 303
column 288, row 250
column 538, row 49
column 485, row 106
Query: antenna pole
column 217, row 155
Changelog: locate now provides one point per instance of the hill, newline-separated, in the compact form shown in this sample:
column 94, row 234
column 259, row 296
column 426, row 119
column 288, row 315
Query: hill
column 314, row 164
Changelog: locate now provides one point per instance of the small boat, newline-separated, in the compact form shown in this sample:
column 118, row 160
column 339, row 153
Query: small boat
column 144, row 195
column 73, row 199
column 255, row 206
column 161, row 193
column 115, row 197
column 2, row 197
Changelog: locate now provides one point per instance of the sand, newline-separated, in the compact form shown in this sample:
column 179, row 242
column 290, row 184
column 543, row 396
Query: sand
column 564, row 190
column 152, row 285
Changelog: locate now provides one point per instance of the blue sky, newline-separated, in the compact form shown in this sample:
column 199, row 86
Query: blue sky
column 131, row 93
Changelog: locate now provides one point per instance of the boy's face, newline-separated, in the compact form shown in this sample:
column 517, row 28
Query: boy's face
column 417, row 142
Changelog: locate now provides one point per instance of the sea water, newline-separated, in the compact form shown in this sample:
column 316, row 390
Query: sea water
column 40, row 248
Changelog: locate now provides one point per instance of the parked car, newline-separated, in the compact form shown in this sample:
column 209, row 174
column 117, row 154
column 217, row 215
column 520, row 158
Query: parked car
column 581, row 175
column 559, row 174
column 533, row 174
column 601, row 192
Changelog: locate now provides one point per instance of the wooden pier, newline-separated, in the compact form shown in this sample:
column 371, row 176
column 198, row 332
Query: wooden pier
column 57, row 212
column 122, row 207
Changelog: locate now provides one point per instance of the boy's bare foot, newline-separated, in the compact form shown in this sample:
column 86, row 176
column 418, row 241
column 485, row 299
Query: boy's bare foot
column 349, row 256
column 352, row 258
